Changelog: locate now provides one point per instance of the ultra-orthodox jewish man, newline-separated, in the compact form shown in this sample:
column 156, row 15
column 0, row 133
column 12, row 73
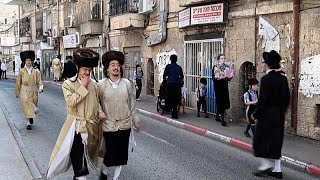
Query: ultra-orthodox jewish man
column 118, row 111
column 28, row 87
column 79, row 138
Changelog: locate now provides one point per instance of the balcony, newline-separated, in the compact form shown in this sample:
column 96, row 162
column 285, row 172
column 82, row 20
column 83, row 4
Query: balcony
column 91, row 22
column 129, row 21
column 124, row 15
column 39, row 25
column 25, row 39
column 25, row 27
column 118, row 7
column 185, row 3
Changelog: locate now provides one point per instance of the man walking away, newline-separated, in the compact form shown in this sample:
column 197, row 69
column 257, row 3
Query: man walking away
column 173, row 74
column 270, row 112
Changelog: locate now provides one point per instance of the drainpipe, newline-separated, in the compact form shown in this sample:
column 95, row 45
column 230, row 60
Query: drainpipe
column 295, row 64
column 162, row 35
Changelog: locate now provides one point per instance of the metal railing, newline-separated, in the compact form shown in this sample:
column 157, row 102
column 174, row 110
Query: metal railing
column 118, row 7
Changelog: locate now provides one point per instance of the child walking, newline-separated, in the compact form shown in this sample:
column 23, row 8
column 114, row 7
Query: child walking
column 250, row 100
column 201, row 93
column 184, row 92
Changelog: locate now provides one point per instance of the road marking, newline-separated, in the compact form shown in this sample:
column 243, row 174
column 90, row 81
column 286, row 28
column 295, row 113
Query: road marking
column 159, row 139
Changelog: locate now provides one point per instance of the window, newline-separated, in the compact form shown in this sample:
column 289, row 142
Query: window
column 123, row 6
column 5, row 21
column 96, row 9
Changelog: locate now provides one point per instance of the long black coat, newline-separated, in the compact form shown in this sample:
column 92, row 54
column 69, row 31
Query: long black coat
column 270, row 113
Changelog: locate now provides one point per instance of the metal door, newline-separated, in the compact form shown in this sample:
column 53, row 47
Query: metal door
column 198, row 62
column 150, row 80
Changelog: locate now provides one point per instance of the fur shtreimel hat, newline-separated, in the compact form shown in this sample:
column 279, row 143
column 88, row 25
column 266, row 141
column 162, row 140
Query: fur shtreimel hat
column 27, row 54
column 112, row 55
column 85, row 58
column 272, row 59
column 253, row 81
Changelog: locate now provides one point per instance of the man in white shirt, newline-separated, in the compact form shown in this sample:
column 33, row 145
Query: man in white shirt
column 4, row 70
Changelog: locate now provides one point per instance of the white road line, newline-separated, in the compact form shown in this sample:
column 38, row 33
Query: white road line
column 159, row 139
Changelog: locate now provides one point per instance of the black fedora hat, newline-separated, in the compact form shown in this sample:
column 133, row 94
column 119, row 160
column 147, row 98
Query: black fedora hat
column 272, row 59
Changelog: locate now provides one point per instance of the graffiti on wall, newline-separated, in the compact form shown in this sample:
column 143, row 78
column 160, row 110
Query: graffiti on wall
column 309, row 84
column 163, row 59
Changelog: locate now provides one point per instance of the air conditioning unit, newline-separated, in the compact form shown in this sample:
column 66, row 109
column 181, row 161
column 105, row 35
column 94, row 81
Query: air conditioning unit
column 146, row 6
column 55, row 31
column 102, row 41
column 51, row 42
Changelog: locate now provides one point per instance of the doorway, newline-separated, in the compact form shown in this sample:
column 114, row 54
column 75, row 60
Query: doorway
column 150, row 79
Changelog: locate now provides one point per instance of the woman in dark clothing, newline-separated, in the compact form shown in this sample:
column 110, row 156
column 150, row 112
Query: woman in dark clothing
column 270, row 114
column 221, row 89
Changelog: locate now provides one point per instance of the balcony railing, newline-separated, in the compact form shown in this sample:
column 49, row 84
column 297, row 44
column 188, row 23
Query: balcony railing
column 118, row 7
column 94, row 7
column 25, row 27
column 39, row 25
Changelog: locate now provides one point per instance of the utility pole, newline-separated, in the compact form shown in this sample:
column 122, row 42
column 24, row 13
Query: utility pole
column 295, row 64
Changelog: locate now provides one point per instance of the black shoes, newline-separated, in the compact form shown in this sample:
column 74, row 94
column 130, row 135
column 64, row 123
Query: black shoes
column 103, row 176
column 277, row 175
column 218, row 119
column 198, row 115
column 247, row 134
column 223, row 123
column 31, row 120
column 262, row 173
column 175, row 116
column 206, row 115
column 29, row 127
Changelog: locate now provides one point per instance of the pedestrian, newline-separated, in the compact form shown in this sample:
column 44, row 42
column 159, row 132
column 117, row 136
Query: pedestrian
column 118, row 111
column 201, row 93
column 14, row 67
column 80, row 135
column 4, row 69
column 270, row 112
column 221, row 89
column 28, row 87
column 69, row 69
column 173, row 75
column 0, row 71
column 56, row 67
column 250, row 100
column 37, row 64
column 138, row 77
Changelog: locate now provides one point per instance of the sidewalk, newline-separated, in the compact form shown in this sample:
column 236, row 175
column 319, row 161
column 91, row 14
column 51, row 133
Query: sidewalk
column 12, row 164
column 298, row 151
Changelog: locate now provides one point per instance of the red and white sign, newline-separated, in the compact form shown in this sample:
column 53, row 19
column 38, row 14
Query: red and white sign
column 7, row 41
column 207, row 14
column 184, row 18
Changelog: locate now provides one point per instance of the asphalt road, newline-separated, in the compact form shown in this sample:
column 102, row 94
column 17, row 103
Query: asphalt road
column 162, row 152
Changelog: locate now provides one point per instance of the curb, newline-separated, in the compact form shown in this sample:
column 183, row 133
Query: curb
column 33, row 168
column 308, row 167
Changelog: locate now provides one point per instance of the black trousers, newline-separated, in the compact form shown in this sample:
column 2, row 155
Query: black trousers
column 79, row 162
column 4, row 74
column 138, row 91
column 0, row 73
column 252, row 127
column 173, row 98
column 202, row 102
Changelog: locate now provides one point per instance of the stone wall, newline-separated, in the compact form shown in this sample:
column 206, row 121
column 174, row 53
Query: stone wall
column 309, row 47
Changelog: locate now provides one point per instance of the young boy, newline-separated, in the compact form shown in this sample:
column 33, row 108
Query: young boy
column 184, row 92
column 250, row 100
column 201, row 93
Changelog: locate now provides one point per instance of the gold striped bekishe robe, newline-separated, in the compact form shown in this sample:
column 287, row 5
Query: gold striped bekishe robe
column 28, row 87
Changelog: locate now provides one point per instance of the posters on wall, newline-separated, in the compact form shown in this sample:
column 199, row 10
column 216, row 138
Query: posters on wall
column 162, row 60
column 309, row 83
